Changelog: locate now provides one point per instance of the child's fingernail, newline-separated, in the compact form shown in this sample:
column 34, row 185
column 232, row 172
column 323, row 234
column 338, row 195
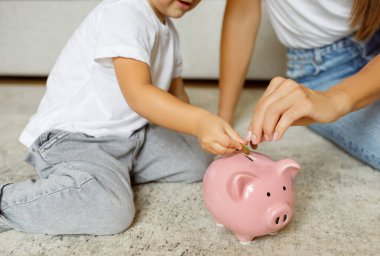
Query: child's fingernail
column 254, row 139
column 266, row 138
column 276, row 136
column 248, row 137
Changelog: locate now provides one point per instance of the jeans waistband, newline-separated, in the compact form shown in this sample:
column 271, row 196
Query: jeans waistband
column 304, row 54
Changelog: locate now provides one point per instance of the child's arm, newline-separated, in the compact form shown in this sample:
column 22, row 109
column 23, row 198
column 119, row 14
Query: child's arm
column 162, row 108
column 286, row 103
column 177, row 89
column 240, row 25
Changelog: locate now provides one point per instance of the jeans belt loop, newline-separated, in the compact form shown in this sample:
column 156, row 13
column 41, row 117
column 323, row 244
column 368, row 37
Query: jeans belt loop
column 317, row 56
column 317, row 61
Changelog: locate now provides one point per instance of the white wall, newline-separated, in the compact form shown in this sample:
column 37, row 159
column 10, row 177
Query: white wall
column 32, row 33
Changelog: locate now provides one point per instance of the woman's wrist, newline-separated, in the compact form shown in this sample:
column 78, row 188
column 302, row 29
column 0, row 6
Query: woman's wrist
column 226, row 115
column 341, row 100
column 226, row 109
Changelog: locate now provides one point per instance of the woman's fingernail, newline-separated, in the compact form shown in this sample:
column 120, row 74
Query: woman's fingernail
column 254, row 139
column 248, row 137
column 276, row 136
column 253, row 146
column 266, row 137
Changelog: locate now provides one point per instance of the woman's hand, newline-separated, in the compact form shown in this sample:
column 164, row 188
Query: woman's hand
column 216, row 135
column 286, row 103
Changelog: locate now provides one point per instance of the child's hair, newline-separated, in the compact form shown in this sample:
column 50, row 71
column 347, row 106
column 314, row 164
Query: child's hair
column 366, row 15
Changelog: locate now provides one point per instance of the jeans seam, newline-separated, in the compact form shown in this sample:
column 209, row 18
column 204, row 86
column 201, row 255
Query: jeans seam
column 48, row 144
column 317, row 70
column 140, row 138
column 346, row 142
column 47, row 194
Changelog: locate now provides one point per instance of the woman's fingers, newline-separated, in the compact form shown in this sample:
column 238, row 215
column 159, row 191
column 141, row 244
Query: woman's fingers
column 279, row 107
column 279, row 88
column 304, row 121
column 287, row 103
column 273, row 85
column 293, row 114
column 273, row 115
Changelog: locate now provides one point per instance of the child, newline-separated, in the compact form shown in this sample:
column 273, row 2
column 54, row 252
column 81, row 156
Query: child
column 90, row 138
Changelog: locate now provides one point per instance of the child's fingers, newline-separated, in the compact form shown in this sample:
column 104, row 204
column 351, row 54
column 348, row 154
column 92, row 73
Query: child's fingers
column 234, row 136
column 229, row 151
column 234, row 145
column 227, row 142
column 218, row 149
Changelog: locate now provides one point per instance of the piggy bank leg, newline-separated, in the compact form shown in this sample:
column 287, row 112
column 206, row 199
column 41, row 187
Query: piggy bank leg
column 218, row 223
column 244, row 239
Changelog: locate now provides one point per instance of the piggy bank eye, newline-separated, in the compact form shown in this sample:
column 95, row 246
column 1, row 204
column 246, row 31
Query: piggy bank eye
column 284, row 188
column 268, row 194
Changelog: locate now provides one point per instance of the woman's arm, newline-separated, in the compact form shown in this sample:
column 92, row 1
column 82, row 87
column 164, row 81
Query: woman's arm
column 240, row 25
column 287, row 103
column 363, row 88
column 164, row 109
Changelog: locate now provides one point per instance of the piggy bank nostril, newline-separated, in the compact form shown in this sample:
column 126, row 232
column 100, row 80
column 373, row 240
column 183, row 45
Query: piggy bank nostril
column 285, row 217
column 277, row 220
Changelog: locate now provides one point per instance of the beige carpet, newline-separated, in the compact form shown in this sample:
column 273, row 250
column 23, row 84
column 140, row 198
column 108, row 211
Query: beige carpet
column 337, row 211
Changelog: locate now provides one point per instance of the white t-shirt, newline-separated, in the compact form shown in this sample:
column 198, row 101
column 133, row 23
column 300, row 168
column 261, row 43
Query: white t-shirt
column 309, row 23
column 82, row 93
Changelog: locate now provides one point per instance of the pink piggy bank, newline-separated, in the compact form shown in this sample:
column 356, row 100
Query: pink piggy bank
column 250, row 197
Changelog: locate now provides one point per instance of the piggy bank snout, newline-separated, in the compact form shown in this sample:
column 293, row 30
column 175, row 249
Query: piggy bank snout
column 279, row 216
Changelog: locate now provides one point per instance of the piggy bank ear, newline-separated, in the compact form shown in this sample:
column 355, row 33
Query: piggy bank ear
column 241, row 185
column 287, row 167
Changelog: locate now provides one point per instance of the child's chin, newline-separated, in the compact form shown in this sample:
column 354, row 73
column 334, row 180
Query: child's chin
column 176, row 15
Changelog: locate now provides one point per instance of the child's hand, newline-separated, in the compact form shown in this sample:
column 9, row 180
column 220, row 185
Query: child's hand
column 216, row 135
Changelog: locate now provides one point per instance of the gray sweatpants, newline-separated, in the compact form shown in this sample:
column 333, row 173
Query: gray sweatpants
column 85, row 182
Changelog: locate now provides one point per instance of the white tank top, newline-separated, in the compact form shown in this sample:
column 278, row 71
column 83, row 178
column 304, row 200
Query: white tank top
column 309, row 23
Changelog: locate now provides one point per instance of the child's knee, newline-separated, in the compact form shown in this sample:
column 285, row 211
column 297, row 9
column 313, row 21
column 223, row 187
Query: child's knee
column 117, row 220
column 106, row 205
column 113, row 213
column 98, row 210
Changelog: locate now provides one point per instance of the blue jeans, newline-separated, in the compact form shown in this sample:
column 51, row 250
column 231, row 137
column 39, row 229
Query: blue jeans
column 357, row 133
